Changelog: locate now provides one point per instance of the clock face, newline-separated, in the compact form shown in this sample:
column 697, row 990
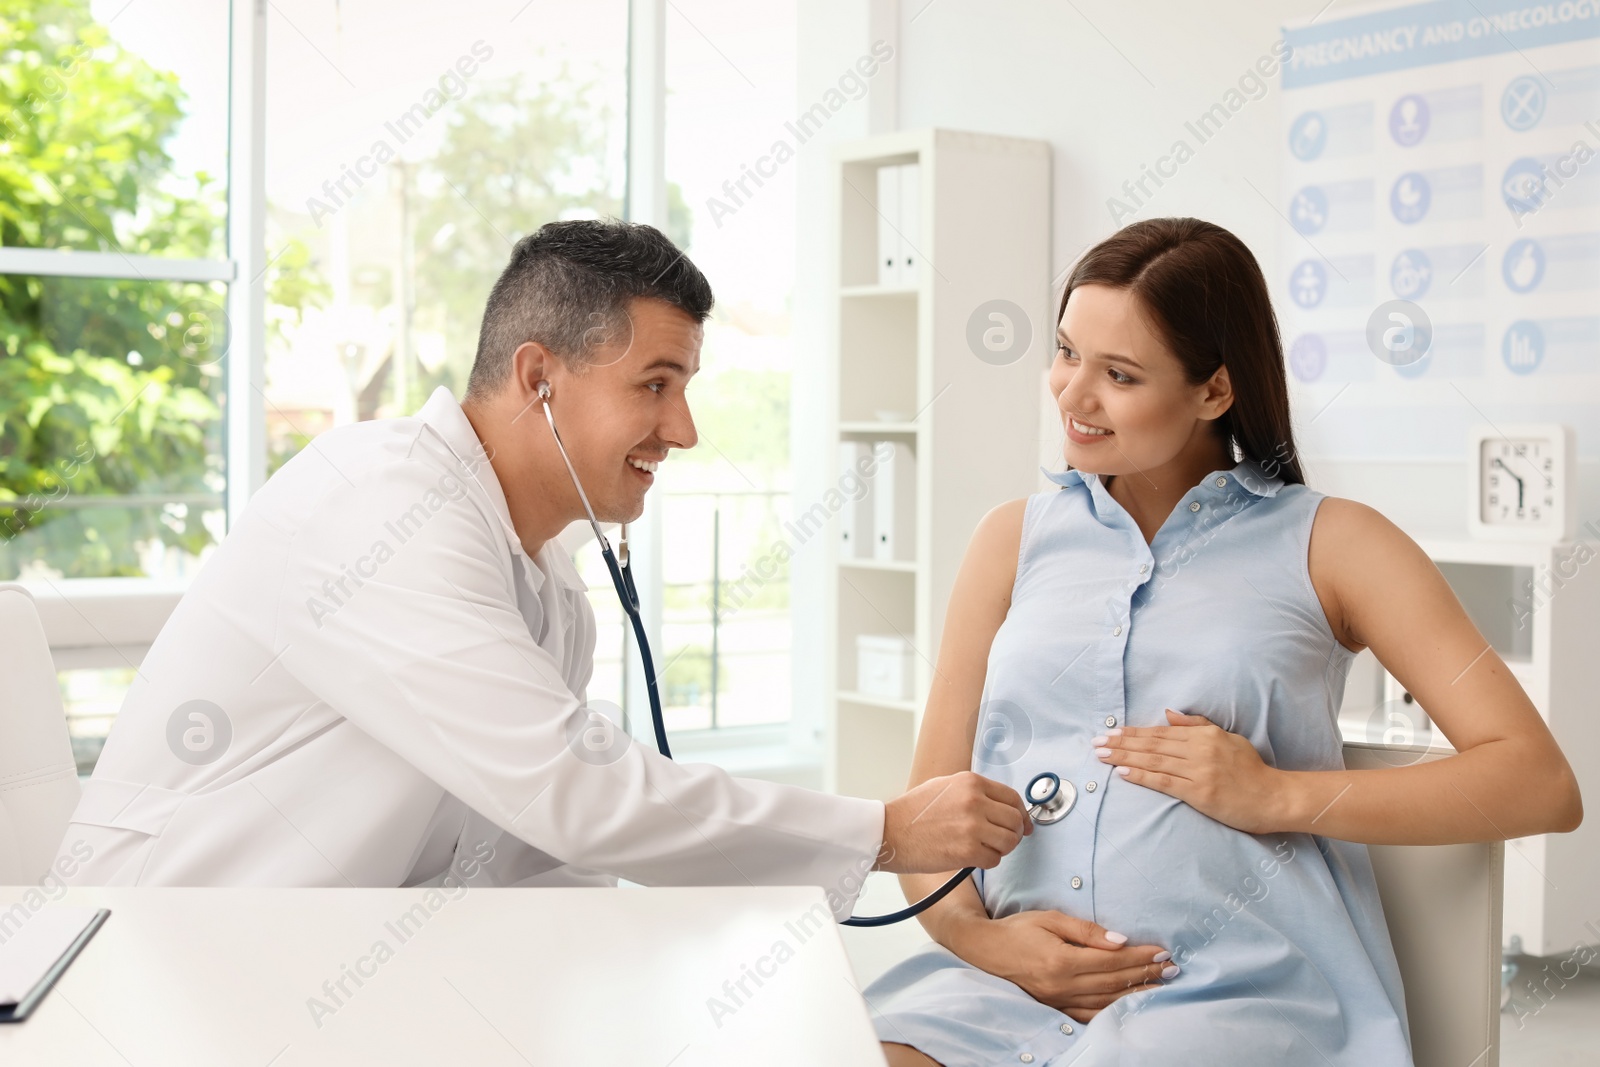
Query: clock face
column 1517, row 481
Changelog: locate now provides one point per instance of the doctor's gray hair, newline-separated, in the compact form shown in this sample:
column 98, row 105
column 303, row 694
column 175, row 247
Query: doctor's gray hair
column 568, row 287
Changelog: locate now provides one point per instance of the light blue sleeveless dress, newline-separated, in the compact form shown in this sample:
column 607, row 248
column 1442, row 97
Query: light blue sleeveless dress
column 1285, row 958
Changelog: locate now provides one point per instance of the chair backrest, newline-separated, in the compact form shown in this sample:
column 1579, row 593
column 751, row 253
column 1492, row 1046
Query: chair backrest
column 38, row 777
column 1443, row 904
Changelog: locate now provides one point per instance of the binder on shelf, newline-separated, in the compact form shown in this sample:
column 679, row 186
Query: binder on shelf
column 890, row 251
column 910, row 223
column 894, row 506
column 855, row 517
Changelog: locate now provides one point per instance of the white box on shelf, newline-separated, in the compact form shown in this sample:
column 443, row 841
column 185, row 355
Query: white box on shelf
column 890, row 252
column 855, row 517
column 884, row 666
column 910, row 223
column 894, row 502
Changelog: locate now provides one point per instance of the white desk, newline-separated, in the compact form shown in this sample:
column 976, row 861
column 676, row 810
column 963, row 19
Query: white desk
column 494, row 976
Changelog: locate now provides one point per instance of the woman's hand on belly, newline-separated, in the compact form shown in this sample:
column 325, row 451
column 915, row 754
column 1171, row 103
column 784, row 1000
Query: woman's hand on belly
column 1073, row 965
column 1218, row 773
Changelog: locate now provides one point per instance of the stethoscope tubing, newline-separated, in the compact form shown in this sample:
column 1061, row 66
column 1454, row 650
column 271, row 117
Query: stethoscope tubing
column 628, row 594
column 622, row 578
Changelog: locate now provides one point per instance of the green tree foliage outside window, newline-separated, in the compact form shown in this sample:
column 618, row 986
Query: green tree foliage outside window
column 110, row 389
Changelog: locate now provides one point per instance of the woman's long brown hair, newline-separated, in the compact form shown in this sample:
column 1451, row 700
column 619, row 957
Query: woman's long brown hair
column 1207, row 299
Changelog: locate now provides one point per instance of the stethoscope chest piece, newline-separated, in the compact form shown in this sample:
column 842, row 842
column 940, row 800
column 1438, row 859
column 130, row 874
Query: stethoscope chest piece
column 1049, row 798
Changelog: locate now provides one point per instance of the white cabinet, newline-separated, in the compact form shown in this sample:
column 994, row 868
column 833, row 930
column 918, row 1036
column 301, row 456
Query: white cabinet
column 972, row 232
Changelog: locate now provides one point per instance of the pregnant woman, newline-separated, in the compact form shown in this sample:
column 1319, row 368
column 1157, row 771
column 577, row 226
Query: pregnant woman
column 1170, row 630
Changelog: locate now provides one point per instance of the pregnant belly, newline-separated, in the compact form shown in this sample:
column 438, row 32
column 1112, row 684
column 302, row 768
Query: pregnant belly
column 1150, row 866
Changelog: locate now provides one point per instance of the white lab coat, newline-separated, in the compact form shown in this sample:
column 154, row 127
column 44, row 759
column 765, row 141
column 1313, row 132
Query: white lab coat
column 402, row 682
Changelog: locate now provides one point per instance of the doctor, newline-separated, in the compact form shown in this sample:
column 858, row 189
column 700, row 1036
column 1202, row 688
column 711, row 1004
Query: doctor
column 379, row 676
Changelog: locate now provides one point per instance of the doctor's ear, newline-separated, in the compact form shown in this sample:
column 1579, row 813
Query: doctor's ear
column 533, row 366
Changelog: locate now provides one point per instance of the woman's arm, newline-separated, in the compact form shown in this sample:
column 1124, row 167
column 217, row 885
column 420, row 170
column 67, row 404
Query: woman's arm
column 1380, row 590
column 1073, row 965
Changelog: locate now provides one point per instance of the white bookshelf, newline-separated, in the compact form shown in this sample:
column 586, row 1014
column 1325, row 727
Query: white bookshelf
column 1552, row 881
column 983, row 234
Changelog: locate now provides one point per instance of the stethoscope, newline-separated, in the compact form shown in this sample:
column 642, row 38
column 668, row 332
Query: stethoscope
column 1049, row 798
column 621, row 577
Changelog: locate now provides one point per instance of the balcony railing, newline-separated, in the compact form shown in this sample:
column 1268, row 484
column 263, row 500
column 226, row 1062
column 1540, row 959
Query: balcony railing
column 725, row 630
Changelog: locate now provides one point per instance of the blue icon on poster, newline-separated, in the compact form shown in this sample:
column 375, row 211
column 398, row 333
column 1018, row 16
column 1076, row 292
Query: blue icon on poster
column 1309, row 283
column 1410, row 198
column 1308, row 357
column 1410, row 274
column 1308, row 212
column 1523, row 187
column 1308, row 136
column 1523, row 266
column 1522, row 104
column 1408, row 120
column 1523, row 346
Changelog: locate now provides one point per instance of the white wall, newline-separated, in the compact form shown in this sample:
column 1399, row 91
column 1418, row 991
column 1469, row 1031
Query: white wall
column 1111, row 90
column 1110, row 84
column 834, row 34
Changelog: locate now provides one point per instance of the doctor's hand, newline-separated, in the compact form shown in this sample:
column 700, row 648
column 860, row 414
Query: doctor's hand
column 1216, row 772
column 1073, row 965
column 958, row 820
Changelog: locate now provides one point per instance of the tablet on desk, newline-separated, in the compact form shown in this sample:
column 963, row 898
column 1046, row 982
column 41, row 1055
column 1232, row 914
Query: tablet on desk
column 38, row 951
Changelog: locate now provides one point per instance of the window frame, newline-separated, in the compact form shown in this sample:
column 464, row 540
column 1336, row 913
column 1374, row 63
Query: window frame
column 645, row 200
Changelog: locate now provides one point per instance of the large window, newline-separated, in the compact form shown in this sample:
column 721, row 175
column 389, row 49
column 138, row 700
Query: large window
column 725, row 629
column 113, row 145
column 407, row 145
column 114, row 285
